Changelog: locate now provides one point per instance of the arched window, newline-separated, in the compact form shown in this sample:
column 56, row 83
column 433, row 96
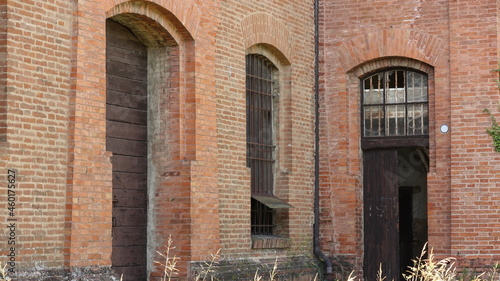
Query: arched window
column 261, row 92
column 395, row 104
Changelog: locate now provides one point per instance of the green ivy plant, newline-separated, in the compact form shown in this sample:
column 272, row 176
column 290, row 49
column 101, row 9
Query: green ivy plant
column 494, row 131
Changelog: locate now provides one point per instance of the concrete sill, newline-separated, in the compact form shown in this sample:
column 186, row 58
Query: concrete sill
column 270, row 242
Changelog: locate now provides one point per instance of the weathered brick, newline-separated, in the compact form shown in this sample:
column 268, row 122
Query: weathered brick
column 457, row 45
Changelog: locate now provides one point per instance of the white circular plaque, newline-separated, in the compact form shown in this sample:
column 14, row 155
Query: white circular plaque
column 444, row 128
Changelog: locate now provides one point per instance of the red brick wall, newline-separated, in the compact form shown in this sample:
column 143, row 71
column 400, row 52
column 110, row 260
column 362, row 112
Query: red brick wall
column 181, row 195
column 53, row 125
column 35, row 85
column 474, row 52
column 460, row 45
column 3, row 70
column 55, row 76
column 283, row 32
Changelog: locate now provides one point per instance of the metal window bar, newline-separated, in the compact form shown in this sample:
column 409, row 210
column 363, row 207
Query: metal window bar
column 260, row 140
column 261, row 219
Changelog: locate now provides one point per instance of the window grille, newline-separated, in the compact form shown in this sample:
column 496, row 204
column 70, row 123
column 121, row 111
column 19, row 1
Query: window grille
column 262, row 219
column 260, row 140
column 395, row 104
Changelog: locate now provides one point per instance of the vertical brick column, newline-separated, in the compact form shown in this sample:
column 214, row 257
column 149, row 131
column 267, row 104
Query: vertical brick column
column 205, row 235
column 89, row 190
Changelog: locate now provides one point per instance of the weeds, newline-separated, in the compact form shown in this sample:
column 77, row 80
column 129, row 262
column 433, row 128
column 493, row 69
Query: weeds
column 169, row 267
column 380, row 276
column 431, row 270
column 423, row 269
column 207, row 269
column 4, row 273
column 444, row 270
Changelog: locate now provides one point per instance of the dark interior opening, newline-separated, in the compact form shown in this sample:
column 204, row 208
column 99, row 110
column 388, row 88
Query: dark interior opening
column 412, row 182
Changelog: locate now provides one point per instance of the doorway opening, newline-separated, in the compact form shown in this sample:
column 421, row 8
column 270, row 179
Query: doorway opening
column 127, row 139
column 395, row 209
column 412, row 204
column 395, row 141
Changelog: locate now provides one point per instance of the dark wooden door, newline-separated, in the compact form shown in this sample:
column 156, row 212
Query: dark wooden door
column 126, row 132
column 381, row 236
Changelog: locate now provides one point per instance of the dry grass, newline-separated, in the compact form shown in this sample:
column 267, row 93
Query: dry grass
column 169, row 265
column 423, row 269
column 430, row 269
column 207, row 269
column 3, row 272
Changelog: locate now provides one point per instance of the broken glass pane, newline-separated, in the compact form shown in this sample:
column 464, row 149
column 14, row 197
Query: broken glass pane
column 395, row 87
column 374, row 121
column 373, row 90
column 395, row 120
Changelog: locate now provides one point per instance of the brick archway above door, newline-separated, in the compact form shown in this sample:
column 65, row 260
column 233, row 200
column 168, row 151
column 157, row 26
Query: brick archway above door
column 407, row 43
column 181, row 14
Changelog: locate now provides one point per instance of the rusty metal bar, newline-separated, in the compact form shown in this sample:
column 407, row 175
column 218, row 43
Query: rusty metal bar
column 260, row 140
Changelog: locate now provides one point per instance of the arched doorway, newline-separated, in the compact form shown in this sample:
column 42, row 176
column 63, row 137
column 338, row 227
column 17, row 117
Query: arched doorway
column 126, row 138
column 395, row 163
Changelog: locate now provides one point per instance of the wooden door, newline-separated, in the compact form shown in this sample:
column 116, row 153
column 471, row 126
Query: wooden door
column 381, row 236
column 126, row 133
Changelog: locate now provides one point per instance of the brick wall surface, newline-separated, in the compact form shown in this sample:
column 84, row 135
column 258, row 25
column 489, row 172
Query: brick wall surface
column 282, row 30
column 457, row 46
column 53, row 128
column 475, row 187
column 35, row 85
column 53, row 125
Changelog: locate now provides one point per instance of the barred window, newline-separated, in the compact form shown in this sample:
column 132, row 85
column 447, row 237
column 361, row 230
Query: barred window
column 261, row 79
column 395, row 104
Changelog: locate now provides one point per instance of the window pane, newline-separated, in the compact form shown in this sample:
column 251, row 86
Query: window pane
column 373, row 90
column 418, row 119
column 395, row 104
column 373, row 121
column 417, row 87
column 395, row 87
column 395, row 120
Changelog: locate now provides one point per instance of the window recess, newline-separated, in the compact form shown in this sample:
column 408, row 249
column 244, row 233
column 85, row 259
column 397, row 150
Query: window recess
column 261, row 89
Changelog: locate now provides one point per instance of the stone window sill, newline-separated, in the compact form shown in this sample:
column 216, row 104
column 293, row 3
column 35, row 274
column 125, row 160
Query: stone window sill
column 270, row 242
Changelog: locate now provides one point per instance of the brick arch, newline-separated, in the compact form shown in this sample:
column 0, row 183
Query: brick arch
column 378, row 64
column 407, row 43
column 179, row 17
column 262, row 29
column 157, row 26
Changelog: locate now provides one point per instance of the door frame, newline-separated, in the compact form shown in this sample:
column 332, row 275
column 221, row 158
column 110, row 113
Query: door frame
column 391, row 266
